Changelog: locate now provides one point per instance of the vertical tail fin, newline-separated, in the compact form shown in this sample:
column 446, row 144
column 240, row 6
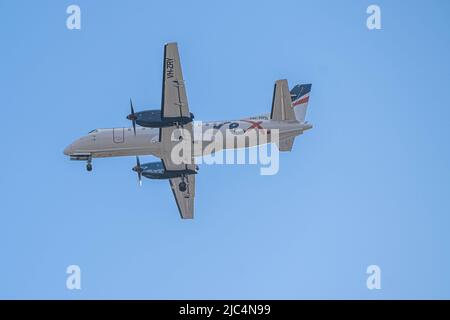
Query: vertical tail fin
column 281, row 102
column 300, row 98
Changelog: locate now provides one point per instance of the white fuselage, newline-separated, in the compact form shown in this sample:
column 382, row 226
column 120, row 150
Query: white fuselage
column 115, row 142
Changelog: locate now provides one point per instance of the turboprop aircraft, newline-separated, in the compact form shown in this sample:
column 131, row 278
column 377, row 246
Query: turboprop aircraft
column 158, row 132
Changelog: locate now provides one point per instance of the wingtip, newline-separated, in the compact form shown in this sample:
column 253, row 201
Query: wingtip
column 173, row 43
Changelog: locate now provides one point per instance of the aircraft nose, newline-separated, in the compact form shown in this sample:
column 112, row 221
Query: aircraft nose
column 68, row 150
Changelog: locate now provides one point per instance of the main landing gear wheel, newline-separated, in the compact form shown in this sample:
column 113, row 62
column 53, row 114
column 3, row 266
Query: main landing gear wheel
column 182, row 186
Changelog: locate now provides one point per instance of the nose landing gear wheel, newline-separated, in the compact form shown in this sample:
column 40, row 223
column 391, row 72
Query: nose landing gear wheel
column 89, row 164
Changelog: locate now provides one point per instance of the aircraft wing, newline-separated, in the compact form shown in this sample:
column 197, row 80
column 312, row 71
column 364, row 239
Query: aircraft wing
column 174, row 100
column 185, row 200
column 175, row 105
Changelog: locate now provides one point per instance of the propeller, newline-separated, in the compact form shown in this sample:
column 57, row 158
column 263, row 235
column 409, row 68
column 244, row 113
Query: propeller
column 132, row 116
column 138, row 169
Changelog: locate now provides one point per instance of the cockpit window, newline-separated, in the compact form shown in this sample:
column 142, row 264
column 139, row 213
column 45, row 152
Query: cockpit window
column 93, row 131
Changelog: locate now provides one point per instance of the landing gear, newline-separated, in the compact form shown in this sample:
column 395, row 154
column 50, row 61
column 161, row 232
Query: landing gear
column 89, row 164
column 182, row 186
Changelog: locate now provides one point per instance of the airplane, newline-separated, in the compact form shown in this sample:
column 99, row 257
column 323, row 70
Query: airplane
column 152, row 132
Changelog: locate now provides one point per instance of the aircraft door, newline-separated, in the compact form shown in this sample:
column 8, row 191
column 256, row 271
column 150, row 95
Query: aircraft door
column 118, row 135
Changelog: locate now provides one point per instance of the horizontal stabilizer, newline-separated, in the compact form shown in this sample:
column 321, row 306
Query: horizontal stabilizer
column 285, row 144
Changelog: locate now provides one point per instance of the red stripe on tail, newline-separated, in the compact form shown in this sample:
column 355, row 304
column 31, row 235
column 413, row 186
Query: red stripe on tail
column 301, row 101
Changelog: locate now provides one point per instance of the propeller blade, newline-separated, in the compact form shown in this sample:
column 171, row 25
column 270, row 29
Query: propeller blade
column 138, row 170
column 132, row 116
column 131, row 105
column 138, row 162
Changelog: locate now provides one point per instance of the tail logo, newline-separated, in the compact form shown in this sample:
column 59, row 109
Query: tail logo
column 300, row 94
column 254, row 125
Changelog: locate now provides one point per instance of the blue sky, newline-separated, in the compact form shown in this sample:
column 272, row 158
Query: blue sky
column 368, row 185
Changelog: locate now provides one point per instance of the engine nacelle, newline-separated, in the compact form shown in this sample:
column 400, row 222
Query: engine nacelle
column 153, row 119
column 156, row 170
